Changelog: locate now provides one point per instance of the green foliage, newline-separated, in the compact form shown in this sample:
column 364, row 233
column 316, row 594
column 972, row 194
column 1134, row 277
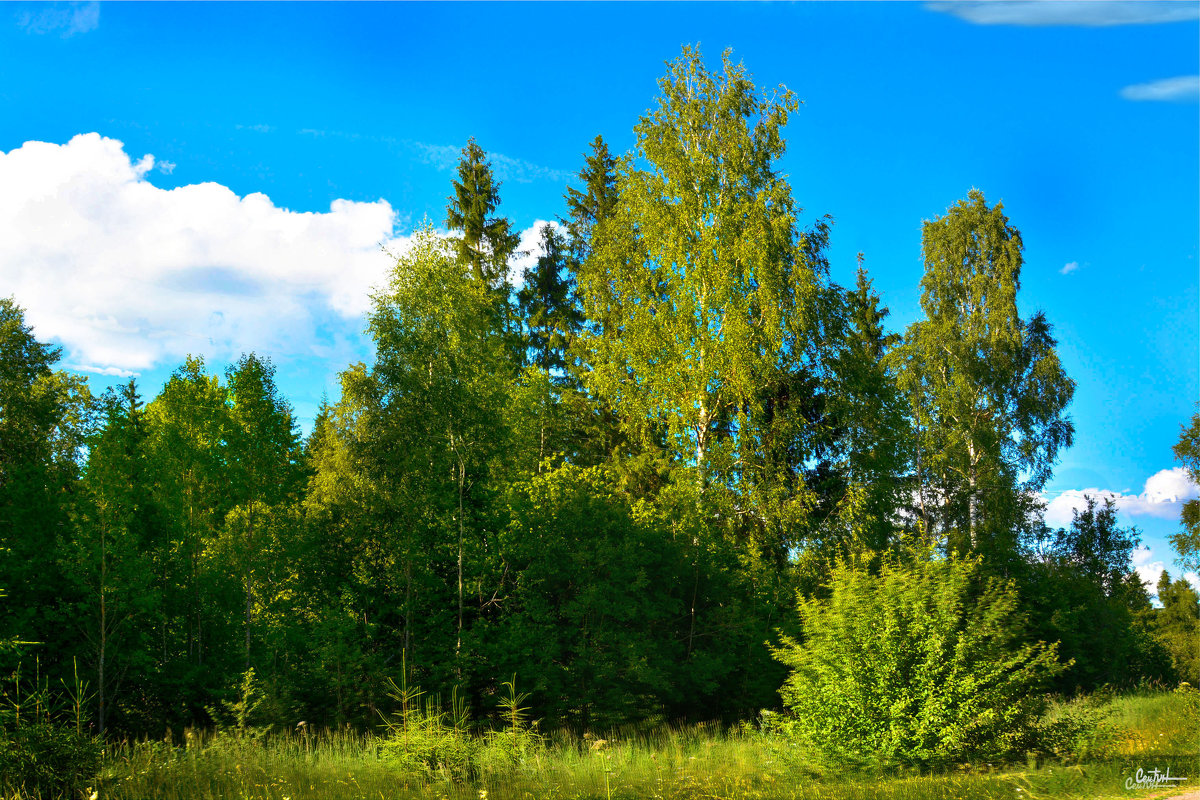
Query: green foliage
column 1187, row 541
column 1081, row 592
column 547, row 303
column 236, row 714
column 48, row 760
column 592, row 600
column 46, row 419
column 1177, row 626
column 702, row 288
column 1081, row 730
column 426, row 741
column 986, row 389
column 922, row 664
column 486, row 241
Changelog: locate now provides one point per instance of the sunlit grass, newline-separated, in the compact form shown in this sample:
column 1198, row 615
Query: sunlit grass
column 1154, row 729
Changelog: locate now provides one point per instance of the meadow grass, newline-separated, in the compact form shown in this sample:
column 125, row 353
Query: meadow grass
column 1147, row 729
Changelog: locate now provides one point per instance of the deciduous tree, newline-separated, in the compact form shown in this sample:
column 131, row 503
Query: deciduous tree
column 987, row 391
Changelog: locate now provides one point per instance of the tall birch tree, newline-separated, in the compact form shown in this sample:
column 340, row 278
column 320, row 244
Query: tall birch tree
column 987, row 391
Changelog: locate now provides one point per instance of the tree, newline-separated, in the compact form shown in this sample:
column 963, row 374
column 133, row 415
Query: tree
column 591, row 601
column 866, row 421
column 699, row 283
column 1187, row 541
column 486, row 241
column 1177, row 626
column 547, row 303
column 189, row 423
column 113, row 550
column 987, row 391
column 264, row 458
column 1083, row 595
column 595, row 202
column 46, row 418
column 590, row 210
column 441, row 376
column 924, row 664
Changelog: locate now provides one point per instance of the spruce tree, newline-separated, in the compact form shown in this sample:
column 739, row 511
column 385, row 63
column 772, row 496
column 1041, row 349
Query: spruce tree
column 486, row 241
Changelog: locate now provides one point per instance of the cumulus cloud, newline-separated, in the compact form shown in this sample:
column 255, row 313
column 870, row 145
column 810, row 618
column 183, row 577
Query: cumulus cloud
column 127, row 276
column 1183, row 89
column 65, row 19
column 1086, row 13
column 1162, row 496
column 1069, row 267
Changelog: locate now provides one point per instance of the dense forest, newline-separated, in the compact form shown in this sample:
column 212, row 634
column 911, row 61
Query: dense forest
column 677, row 471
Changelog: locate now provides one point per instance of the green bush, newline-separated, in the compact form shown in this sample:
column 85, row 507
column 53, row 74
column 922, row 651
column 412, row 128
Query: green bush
column 47, row 760
column 1083, row 729
column 922, row 664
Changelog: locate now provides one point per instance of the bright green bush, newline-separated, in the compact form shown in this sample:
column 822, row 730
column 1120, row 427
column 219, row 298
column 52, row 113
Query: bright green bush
column 921, row 664
column 47, row 760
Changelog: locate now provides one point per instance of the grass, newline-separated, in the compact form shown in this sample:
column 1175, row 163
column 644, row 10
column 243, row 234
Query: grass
column 1147, row 729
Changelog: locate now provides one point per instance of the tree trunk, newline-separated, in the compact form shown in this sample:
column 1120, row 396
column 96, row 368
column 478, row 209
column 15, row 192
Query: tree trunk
column 103, row 630
column 458, row 643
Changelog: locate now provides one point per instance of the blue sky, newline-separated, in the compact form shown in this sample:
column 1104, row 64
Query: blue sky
column 213, row 178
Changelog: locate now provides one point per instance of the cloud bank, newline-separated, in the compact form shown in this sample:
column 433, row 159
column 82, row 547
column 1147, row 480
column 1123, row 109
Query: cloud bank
column 1085, row 13
column 1162, row 496
column 1183, row 89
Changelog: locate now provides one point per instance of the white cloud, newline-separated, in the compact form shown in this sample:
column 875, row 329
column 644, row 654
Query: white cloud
column 166, row 167
column 1185, row 88
column 1069, row 267
column 1162, row 496
column 1086, row 13
column 65, row 19
column 127, row 276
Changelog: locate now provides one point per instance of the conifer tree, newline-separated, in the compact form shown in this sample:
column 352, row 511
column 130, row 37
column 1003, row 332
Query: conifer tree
column 485, row 242
column 547, row 303
column 596, row 201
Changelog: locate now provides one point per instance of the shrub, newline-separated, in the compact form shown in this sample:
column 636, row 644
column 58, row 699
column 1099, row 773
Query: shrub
column 423, row 740
column 47, row 760
column 1080, row 730
column 922, row 664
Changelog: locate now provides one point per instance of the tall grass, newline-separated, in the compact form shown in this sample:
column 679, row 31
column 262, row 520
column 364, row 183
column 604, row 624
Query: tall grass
column 1149, row 729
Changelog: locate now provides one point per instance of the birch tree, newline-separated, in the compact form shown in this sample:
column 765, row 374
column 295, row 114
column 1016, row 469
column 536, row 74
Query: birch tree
column 703, row 284
column 986, row 388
